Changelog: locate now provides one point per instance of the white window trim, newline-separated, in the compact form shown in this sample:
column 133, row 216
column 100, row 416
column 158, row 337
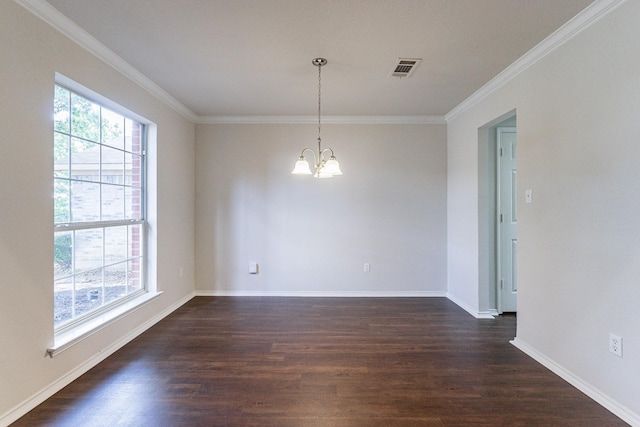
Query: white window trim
column 85, row 329
column 69, row 336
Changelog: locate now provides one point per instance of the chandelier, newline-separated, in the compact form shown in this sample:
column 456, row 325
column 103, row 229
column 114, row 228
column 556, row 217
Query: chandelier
column 324, row 168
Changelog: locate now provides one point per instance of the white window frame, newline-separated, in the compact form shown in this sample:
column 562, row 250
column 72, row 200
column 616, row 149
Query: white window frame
column 76, row 329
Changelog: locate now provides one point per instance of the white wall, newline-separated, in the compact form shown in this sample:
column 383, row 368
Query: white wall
column 312, row 236
column 579, row 242
column 32, row 52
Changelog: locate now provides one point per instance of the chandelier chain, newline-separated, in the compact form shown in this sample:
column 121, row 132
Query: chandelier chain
column 319, row 98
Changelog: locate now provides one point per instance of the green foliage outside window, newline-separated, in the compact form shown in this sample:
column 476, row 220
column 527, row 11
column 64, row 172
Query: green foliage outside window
column 62, row 251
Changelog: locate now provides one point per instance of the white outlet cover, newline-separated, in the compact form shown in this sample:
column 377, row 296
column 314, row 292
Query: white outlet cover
column 253, row 268
column 615, row 345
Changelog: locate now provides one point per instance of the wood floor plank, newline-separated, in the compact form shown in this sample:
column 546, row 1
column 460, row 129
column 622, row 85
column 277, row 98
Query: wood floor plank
column 258, row 361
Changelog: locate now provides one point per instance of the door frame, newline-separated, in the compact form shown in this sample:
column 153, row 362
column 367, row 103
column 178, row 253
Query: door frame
column 486, row 162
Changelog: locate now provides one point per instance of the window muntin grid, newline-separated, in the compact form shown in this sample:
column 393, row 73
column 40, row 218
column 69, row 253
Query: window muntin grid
column 99, row 221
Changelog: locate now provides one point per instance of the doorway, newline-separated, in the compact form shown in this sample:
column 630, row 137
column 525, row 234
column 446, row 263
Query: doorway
column 494, row 263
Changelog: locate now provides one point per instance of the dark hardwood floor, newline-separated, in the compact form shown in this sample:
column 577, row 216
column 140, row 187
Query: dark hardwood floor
column 321, row 362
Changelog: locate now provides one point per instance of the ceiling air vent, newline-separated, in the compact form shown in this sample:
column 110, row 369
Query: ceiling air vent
column 404, row 67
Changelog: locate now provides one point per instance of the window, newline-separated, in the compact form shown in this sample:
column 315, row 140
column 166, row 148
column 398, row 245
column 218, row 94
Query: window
column 99, row 215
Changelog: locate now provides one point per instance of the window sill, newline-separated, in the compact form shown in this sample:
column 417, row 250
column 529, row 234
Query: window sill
column 67, row 339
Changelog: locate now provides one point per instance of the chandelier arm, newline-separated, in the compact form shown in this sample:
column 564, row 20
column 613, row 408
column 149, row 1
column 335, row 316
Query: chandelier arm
column 327, row 149
column 315, row 157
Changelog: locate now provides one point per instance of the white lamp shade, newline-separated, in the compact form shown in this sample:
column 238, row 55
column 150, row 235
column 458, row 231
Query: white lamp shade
column 332, row 167
column 301, row 167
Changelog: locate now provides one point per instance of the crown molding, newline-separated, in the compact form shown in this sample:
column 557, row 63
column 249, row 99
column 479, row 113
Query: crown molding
column 71, row 30
column 573, row 27
column 401, row 120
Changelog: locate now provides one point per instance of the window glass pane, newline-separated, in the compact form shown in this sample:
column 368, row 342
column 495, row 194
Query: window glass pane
column 133, row 136
column 134, row 169
column 85, row 201
column 135, row 240
column 85, row 160
column 63, row 300
column 115, row 244
column 128, row 197
column 85, row 118
column 115, row 281
column 112, row 129
column 62, row 254
column 61, row 200
column 87, row 249
column 112, row 165
column 61, row 114
column 128, row 168
column 88, row 294
column 61, row 155
column 133, row 203
column 112, row 202
column 134, row 275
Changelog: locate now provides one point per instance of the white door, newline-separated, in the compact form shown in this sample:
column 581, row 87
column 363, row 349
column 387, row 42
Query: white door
column 507, row 220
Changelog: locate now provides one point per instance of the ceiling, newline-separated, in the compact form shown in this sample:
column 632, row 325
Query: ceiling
column 253, row 57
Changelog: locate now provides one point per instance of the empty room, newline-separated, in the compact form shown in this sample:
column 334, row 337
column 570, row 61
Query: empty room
column 320, row 212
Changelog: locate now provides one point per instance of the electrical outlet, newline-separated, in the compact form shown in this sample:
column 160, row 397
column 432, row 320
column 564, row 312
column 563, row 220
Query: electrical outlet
column 253, row 268
column 367, row 267
column 181, row 272
column 615, row 345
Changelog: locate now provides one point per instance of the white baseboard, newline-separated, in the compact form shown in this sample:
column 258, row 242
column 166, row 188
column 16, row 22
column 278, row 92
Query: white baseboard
column 22, row 408
column 619, row 410
column 489, row 314
column 346, row 294
column 475, row 313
